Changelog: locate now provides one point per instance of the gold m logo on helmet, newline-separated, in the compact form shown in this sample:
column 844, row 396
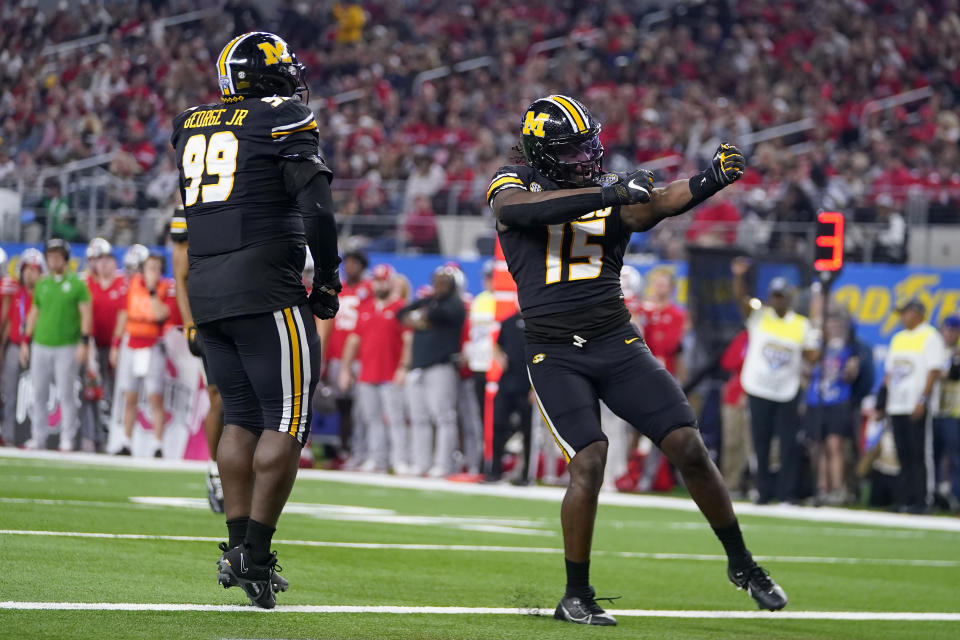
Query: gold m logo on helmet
column 534, row 123
column 275, row 52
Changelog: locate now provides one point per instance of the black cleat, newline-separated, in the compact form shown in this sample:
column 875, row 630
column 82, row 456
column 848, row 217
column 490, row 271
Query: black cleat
column 279, row 584
column 584, row 610
column 761, row 587
column 236, row 568
column 214, row 492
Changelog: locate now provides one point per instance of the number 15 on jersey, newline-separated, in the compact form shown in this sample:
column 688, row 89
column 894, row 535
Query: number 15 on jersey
column 579, row 258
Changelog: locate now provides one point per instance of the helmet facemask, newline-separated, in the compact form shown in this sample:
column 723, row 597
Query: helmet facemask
column 578, row 163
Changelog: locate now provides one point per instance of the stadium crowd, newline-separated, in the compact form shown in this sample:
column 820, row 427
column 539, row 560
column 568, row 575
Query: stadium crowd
column 411, row 97
column 405, row 381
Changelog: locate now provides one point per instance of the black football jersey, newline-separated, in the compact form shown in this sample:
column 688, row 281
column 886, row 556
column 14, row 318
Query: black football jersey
column 561, row 267
column 246, row 233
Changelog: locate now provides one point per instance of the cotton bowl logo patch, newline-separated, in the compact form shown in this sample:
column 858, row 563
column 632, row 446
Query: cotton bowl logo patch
column 608, row 179
column 535, row 187
column 777, row 357
column 537, row 359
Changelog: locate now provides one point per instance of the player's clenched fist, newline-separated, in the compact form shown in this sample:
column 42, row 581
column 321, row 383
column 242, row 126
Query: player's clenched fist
column 323, row 299
column 727, row 165
column 628, row 188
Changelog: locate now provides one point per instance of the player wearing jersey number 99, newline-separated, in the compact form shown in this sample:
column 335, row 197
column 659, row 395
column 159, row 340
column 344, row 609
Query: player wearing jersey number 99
column 255, row 191
column 564, row 226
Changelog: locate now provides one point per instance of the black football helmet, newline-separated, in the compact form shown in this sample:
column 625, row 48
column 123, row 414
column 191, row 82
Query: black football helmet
column 561, row 140
column 260, row 64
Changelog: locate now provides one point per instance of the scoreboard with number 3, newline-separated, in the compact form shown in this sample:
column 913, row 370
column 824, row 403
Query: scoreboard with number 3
column 829, row 249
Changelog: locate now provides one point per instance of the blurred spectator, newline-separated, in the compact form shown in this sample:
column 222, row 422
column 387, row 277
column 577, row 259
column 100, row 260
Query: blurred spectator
column 350, row 20
column 946, row 426
column 426, row 179
column 431, row 385
column 377, row 342
column 891, row 241
column 913, row 366
column 108, row 297
column 356, row 289
column 421, row 227
column 829, row 401
column 663, row 323
column 736, row 441
column 137, row 353
column 18, row 301
column 779, row 340
column 512, row 410
column 714, row 224
column 54, row 345
column 469, row 416
column 478, row 350
column 56, row 207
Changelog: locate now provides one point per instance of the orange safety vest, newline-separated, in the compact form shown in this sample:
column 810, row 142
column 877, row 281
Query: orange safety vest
column 141, row 321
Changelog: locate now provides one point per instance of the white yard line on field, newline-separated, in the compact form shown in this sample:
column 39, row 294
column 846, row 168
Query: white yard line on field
column 548, row 494
column 901, row 562
column 636, row 613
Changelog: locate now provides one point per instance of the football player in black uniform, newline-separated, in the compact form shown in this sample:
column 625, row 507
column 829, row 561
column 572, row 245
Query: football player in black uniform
column 255, row 190
column 563, row 227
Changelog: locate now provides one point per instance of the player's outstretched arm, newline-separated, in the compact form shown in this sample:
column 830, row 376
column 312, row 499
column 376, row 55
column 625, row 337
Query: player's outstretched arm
column 680, row 196
column 522, row 208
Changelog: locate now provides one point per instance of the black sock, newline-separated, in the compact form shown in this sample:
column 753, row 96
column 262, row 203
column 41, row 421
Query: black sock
column 732, row 541
column 578, row 578
column 259, row 537
column 237, row 531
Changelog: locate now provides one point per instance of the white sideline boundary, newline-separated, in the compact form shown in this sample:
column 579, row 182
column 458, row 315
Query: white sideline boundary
column 547, row 494
column 903, row 562
column 629, row 613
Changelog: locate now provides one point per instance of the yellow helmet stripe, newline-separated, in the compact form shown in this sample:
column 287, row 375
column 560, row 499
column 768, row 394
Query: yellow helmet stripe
column 222, row 60
column 574, row 112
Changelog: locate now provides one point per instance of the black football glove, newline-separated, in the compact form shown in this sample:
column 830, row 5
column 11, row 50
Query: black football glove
column 634, row 187
column 323, row 299
column 727, row 165
column 193, row 340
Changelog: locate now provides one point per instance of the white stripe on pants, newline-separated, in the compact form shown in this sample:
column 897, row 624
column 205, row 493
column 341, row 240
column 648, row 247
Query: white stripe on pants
column 56, row 365
column 432, row 400
column 380, row 408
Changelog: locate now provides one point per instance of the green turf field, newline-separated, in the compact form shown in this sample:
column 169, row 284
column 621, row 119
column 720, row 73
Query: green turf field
column 362, row 545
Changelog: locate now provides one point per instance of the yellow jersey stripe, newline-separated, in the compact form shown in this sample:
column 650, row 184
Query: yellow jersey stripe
column 222, row 60
column 280, row 134
column 581, row 125
column 296, row 360
column 790, row 328
column 502, row 181
column 178, row 226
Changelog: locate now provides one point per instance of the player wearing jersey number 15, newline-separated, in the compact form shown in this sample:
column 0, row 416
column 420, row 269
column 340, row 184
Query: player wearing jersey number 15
column 564, row 226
